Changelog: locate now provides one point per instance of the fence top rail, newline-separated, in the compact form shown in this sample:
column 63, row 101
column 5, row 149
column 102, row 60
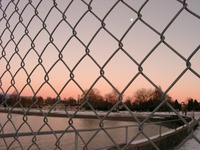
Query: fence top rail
column 8, row 135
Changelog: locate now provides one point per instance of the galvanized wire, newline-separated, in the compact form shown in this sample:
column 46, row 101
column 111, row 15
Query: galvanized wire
column 13, row 16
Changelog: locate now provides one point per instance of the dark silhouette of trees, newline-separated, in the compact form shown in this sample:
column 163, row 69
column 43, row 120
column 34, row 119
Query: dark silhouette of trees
column 112, row 97
column 40, row 101
column 143, row 95
column 14, row 100
column 50, row 101
column 148, row 100
column 2, row 100
column 94, row 100
column 196, row 105
column 128, row 103
column 193, row 104
column 143, row 100
column 70, row 102
column 176, row 105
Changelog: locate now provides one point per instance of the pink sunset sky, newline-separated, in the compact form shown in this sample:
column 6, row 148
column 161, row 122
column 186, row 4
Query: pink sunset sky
column 52, row 59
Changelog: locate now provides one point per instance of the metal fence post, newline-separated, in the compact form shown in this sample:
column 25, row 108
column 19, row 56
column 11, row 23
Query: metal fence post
column 126, row 134
column 76, row 141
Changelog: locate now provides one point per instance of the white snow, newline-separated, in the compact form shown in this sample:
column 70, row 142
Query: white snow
column 192, row 144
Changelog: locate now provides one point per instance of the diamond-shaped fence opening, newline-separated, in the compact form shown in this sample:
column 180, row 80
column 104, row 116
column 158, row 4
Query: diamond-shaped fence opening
column 98, row 74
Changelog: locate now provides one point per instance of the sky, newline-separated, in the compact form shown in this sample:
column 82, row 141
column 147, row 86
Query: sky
column 66, row 49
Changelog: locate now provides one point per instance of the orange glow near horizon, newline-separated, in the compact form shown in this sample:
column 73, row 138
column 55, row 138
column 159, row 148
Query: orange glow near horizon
column 181, row 90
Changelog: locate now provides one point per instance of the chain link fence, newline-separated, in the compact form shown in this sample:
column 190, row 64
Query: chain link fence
column 58, row 48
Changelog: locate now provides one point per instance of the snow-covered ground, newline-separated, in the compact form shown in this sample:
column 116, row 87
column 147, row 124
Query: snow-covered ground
column 192, row 143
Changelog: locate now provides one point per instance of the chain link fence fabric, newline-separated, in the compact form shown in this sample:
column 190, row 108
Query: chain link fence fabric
column 83, row 44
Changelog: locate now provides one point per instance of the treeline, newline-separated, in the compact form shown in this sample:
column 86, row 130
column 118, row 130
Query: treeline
column 143, row 100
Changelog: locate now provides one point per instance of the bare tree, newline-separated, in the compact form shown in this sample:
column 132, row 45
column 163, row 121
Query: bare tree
column 142, row 95
column 112, row 97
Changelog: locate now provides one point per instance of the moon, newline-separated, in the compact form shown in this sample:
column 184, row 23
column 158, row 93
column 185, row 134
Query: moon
column 131, row 19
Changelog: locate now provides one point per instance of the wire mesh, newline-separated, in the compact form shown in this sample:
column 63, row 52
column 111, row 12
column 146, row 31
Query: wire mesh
column 46, row 42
